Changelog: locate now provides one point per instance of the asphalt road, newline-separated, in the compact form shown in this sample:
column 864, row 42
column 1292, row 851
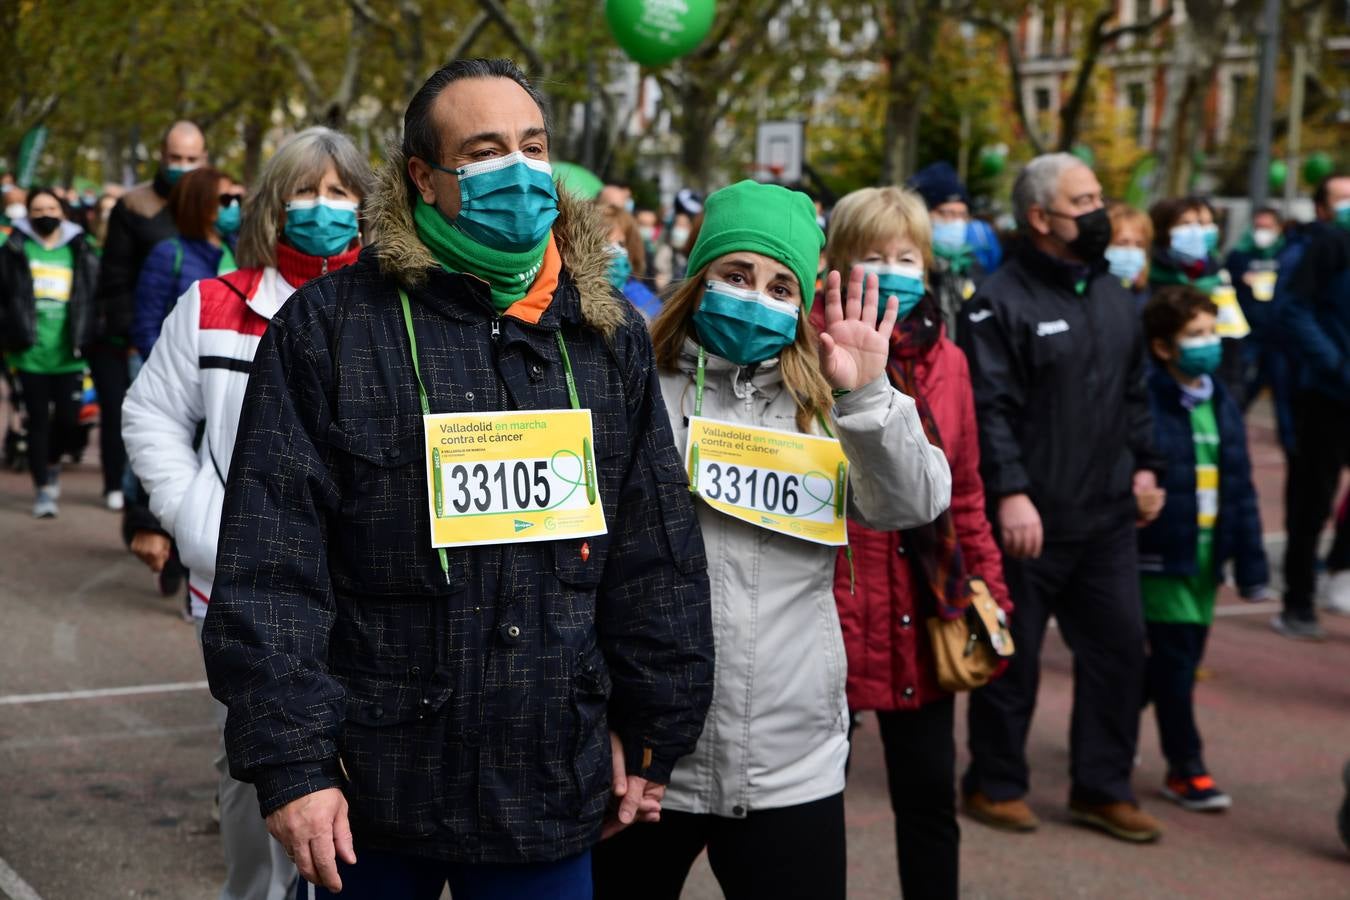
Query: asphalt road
column 109, row 796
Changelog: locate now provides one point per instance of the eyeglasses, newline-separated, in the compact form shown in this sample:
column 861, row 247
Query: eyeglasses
column 228, row 200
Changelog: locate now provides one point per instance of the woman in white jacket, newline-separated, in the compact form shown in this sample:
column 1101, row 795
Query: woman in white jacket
column 744, row 374
column 299, row 223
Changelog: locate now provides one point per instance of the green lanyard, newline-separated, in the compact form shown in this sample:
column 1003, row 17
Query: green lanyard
column 591, row 486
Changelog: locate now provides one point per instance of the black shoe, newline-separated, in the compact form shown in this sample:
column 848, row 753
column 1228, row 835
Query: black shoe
column 1297, row 627
column 1343, row 820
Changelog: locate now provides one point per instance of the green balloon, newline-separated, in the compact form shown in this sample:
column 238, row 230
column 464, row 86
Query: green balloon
column 654, row 32
column 992, row 162
column 1279, row 171
column 580, row 183
column 1317, row 166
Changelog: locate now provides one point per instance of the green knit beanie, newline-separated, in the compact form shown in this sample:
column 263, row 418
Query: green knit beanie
column 766, row 219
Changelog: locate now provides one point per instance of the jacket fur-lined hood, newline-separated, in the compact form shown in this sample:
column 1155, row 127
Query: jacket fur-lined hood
column 578, row 232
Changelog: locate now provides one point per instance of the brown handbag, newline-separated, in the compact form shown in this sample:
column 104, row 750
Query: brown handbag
column 968, row 650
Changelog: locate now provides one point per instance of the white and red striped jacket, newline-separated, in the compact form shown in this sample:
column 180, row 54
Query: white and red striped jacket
column 198, row 373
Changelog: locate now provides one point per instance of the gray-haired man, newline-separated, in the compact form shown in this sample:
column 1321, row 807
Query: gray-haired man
column 1057, row 362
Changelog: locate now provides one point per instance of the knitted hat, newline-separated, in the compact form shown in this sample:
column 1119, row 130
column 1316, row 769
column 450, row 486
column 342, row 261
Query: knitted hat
column 937, row 184
column 766, row 219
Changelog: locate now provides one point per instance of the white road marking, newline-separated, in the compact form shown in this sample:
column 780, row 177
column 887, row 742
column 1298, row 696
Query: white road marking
column 14, row 887
column 94, row 693
column 1248, row 609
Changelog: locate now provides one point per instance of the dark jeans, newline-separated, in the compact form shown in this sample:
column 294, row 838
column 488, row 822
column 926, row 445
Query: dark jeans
column 1174, row 653
column 112, row 377
column 921, row 774
column 1268, row 365
column 787, row 853
column 379, row 875
column 1321, row 450
column 1091, row 586
column 52, row 403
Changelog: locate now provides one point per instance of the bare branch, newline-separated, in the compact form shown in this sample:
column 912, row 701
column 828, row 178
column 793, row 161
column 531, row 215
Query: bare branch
column 1141, row 28
column 498, row 14
column 364, row 12
column 1005, row 32
column 303, row 73
column 470, row 35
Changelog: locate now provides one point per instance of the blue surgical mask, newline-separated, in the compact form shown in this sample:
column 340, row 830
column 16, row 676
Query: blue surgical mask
column 1125, row 262
column 1199, row 355
column 506, row 203
column 1211, row 237
column 949, row 234
column 620, row 268
column 901, row 281
column 1189, row 242
column 320, row 227
column 227, row 221
column 173, row 173
column 743, row 327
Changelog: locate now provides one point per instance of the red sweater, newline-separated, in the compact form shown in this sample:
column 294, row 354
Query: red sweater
column 890, row 659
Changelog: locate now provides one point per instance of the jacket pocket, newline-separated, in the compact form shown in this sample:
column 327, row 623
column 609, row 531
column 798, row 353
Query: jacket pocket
column 679, row 526
column 574, row 760
column 384, row 545
column 393, row 753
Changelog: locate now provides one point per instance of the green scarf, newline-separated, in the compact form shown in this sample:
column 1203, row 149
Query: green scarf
column 1161, row 275
column 509, row 275
column 958, row 260
column 1248, row 245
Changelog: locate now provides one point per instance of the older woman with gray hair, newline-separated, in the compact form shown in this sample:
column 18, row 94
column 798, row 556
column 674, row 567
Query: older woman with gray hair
column 1057, row 363
column 300, row 223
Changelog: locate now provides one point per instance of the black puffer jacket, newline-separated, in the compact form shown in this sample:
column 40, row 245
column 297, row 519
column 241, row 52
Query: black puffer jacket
column 139, row 221
column 1058, row 365
column 467, row 721
column 18, row 306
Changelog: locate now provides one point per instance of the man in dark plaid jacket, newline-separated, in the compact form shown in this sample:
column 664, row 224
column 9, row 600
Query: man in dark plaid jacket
column 468, row 716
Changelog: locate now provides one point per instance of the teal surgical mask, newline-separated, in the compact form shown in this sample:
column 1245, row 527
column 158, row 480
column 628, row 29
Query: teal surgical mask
column 904, row 282
column 173, row 173
column 1199, row 355
column 507, row 203
column 741, row 326
column 320, row 227
column 1211, row 237
column 949, row 234
column 227, row 221
column 1342, row 213
column 620, row 268
column 1125, row 262
column 1189, row 242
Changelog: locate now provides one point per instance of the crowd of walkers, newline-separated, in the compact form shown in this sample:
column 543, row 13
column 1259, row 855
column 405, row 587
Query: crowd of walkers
column 801, row 455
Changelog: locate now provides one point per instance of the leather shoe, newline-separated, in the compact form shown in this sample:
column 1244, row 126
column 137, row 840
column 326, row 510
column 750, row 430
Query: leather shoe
column 1122, row 820
column 1005, row 815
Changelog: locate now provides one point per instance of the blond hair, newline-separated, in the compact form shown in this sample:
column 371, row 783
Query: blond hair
column 1124, row 214
column 614, row 217
column 872, row 216
column 798, row 361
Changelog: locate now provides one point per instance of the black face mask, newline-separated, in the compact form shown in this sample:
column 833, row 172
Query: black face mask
column 43, row 226
column 1094, row 236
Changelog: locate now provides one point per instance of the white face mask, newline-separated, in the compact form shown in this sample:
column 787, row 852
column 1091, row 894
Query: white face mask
column 1265, row 237
column 15, row 211
column 679, row 237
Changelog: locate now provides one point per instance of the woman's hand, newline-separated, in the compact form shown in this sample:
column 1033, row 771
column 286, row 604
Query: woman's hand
column 854, row 346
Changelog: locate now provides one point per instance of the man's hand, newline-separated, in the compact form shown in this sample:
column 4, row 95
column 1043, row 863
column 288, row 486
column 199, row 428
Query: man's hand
column 1020, row 524
column 315, row 833
column 1148, row 496
column 639, row 799
column 151, row 548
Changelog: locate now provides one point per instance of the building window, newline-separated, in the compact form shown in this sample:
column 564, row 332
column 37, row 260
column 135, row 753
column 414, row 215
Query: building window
column 1042, row 99
column 1048, row 22
column 1136, row 97
column 1143, row 10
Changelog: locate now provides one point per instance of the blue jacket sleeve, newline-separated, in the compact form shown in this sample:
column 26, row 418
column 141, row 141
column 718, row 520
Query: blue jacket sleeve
column 156, row 291
column 1239, row 502
column 1307, row 339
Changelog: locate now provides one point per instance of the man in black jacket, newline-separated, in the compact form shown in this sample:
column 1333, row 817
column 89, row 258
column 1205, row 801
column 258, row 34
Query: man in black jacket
column 461, row 707
column 1057, row 360
column 140, row 220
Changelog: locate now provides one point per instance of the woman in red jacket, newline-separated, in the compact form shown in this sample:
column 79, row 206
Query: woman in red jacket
column 899, row 579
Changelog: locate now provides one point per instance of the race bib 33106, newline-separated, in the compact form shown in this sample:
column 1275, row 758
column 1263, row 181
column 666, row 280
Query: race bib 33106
column 783, row 481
